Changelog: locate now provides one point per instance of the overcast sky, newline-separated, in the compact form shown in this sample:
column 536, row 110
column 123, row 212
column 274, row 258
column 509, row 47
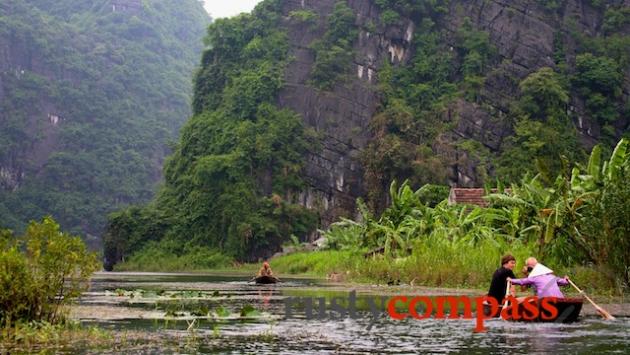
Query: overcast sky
column 227, row 8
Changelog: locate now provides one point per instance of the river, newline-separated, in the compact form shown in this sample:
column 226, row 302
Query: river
column 194, row 313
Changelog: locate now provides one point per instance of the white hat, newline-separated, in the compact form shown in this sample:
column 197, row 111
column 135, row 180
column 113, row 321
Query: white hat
column 540, row 269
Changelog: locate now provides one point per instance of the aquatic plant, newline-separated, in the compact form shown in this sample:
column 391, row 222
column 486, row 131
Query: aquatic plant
column 31, row 337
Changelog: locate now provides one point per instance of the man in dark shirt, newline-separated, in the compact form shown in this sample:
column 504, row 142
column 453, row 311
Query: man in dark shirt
column 498, row 285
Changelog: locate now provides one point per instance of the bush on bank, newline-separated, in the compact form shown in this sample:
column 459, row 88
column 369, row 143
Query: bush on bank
column 40, row 272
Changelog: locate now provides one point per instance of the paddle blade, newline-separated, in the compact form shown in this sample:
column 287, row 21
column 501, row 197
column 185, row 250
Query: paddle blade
column 599, row 309
column 605, row 314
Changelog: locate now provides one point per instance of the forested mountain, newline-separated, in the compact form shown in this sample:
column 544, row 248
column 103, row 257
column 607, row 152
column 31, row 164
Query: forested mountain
column 304, row 106
column 91, row 91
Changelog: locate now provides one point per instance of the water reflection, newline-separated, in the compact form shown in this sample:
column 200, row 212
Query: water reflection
column 298, row 335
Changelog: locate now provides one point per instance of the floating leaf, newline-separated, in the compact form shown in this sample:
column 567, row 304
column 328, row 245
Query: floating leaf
column 249, row 311
column 222, row 312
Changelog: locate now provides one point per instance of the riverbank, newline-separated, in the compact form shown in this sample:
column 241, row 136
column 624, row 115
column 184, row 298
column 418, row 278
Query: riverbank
column 461, row 270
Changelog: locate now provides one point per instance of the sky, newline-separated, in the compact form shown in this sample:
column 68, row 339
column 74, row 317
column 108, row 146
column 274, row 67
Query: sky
column 227, row 8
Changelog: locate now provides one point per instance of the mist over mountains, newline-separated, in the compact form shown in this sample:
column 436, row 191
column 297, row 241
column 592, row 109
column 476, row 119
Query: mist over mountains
column 90, row 94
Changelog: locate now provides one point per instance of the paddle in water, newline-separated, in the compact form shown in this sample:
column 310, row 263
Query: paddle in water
column 599, row 309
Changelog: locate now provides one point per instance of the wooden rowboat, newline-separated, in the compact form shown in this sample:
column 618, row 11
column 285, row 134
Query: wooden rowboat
column 264, row 280
column 568, row 311
column 487, row 311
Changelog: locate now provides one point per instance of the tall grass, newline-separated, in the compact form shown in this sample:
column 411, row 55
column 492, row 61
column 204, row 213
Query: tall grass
column 433, row 262
column 44, row 337
column 166, row 256
column 318, row 263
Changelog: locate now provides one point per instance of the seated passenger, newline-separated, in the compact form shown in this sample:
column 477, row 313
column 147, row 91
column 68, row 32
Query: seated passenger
column 542, row 279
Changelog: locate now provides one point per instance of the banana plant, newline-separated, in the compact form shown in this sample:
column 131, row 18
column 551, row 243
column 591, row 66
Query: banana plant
column 619, row 158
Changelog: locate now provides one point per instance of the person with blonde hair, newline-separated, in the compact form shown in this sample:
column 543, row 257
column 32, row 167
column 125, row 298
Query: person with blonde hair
column 265, row 270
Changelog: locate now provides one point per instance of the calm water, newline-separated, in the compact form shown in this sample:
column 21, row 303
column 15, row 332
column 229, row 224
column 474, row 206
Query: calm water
column 162, row 307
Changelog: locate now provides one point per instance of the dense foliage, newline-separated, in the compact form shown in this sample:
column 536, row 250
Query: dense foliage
column 89, row 99
column 333, row 53
column 239, row 158
column 420, row 99
column 40, row 272
column 542, row 131
column 232, row 180
column 415, row 97
column 577, row 219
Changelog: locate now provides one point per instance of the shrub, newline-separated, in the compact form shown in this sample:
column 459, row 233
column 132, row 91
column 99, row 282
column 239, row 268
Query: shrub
column 304, row 16
column 40, row 272
column 599, row 80
column 333, row 53
column 431, row 195
column 389, row 17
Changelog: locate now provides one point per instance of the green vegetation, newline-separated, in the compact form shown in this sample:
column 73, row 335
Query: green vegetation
column 232, row 183
column 599, row 71
column 415, row 98
column 41, row 272
column 119, row 85
column 228, row 182
column 570, row 222
column 171, row 255
column 333, row 53
column 314, row 263
column 551, row 4
column 36, row 337
column 543, row 131
column 599, row 81
column 413, row 7
column 304, row 16
column 420, row 100
column 616, row 18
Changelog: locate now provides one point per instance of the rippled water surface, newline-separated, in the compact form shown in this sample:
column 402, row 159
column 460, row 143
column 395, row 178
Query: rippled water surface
column 201, row 314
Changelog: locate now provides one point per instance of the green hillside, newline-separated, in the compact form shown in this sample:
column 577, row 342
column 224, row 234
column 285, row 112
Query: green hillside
column 90, row 94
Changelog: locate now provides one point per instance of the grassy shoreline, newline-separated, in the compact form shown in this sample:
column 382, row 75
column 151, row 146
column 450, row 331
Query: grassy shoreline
column 414, row 270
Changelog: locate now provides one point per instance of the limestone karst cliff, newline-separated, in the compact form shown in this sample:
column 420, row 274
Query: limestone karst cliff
column 527, row 36
column 305, row 106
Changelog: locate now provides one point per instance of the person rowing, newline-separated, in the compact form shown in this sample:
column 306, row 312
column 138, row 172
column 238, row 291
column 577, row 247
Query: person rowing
column 542, row 279
column 265, row 270
column 498, row 285
column 265, row 275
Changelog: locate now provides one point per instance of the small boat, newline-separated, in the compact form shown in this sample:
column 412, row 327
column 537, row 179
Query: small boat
column 487, row 311
column 264, row 280
column 568, row 311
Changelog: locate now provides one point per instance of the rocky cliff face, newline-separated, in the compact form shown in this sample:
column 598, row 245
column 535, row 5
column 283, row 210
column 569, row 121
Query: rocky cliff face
column 342, row 115
column 524, row 33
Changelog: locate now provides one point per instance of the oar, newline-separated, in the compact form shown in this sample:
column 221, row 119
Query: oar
column 599, row 309
column 507, row 293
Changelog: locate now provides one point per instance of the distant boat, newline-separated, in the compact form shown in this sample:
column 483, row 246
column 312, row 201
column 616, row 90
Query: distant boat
column 568, row 311
column 263, row 280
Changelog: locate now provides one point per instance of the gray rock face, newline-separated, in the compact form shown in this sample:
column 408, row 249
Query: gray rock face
column 523, row 31
column 340, row 116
